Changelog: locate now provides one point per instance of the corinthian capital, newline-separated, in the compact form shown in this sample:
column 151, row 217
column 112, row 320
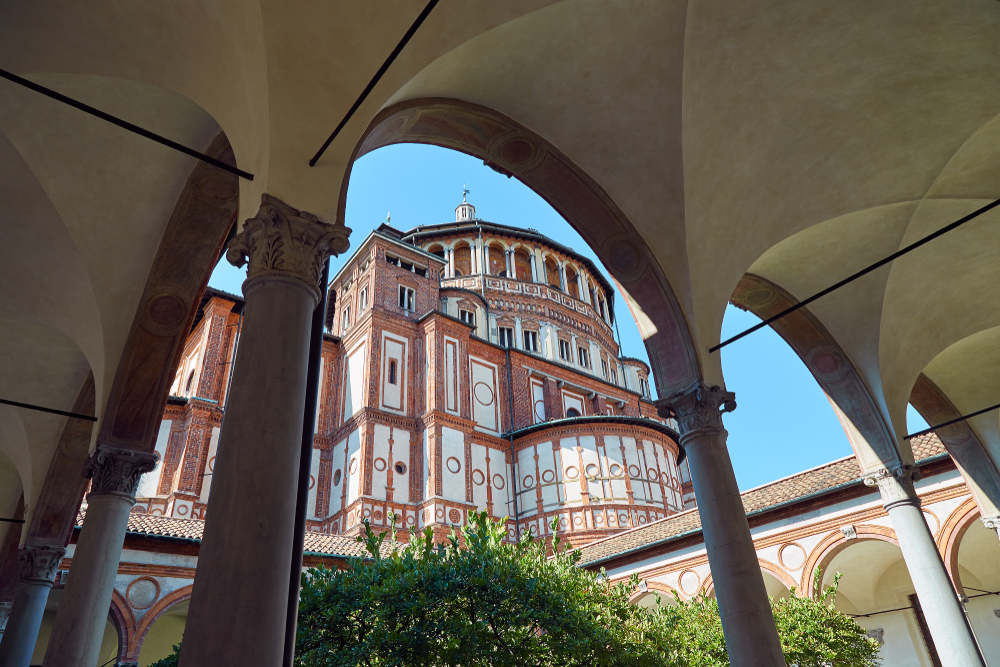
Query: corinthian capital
column 697, row 408
column 895, row 485
column 117, row 471
column 284, row 241
column 39, row 564
column 993, row 523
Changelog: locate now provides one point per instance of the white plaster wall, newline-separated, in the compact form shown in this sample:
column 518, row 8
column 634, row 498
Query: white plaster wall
column 480, row 481
column 592, row 466
column 354, row 466
column 337, row 462
column 380, row 458
column 354, row 380
column 314, row 462
column 452, row 447
column 209, row 471
column 150, row 482
column 572, row 401
column 428, row 491
column 652, row 472
column 570, row 459
column 549, row 476
column 538, row 401
column 401, row 453
column 634, row 467
column 526, row 494
column 613, row 457
column 451, row 375
column 484, row 395
column 500, row 479
column 595, row 360
column 393, row 398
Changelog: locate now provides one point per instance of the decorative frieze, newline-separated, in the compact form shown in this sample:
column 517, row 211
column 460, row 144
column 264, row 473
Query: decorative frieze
column 895, row 485
column 283, row 241
column 117, row 471
column 38, row 565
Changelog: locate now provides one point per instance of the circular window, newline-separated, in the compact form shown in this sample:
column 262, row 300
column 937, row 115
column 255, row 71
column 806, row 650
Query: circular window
column 336, row 478
column 478, row 478
column 379, row 464
column 498, row 481
column 400, row 468
column 592, row 470
column 616, row 470
column 454, row 465
column 572, row 412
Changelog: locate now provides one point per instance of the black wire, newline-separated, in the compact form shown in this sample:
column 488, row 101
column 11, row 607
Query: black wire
column 39, row 408
column 953, row 421
column 123, row 124
column 371, row 84
column 859, row 274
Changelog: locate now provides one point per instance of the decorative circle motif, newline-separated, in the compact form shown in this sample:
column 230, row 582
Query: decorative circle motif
column 652, row 474
column 211, row 464
column 592, row 470
column 516, row 151
column 540, row 410
column 440, row 512
column 312, row 481
column 478, row 478
column 577, row 521
column 572, row 472
column 599, row 519
column 792, row 556
column 642, row 518
column 167, row 310
column 826, row 362
column 498, row 481
column 453, row 464
column 624, row 257
column 378, row 516
column 409, row 520
column 633, row 470
column 367, row 513
column 336, row 478
column 665, row 478
column 689, row 582
column 143, row 592
column 623, row 519
column 483, row 393
column 217, row 186
column 758, row 297
column 562, row 522
column 455, row 516
column 156, row 512
column 182, row 510
column 137, row 509
column 379, row 464
column 354, row 465
column 528, row 481
column 616, row 470
column 400, row 468
column 427, row 514
column 548, row 476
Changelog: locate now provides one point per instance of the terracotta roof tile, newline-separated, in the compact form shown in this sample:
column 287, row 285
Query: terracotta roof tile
column 192, row 529
column 823, row 478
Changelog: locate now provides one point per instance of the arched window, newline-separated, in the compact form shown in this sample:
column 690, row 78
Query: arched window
column 572, row 412
column 552, row 273
column 463, row 260
column 572, row 286
column 190, row 383
column 436, row 250
column 522, row 265
column 498, row 263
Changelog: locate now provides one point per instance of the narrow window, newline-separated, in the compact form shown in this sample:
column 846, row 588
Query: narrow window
column 467, row 316
column 583, row 355
column 392, row 371
column 190, row 383
column 400, row 468
column 406, row 266
column 565, row 352
column 572, row 412
column 420, row 272
column 506, row 337
column 614, row 375
column 643, row 387
column 346, row 320
column 405, row 297
column 392, row 260
column 604, row 368
column 530, row 341
column 363, row 300
column 336, row 478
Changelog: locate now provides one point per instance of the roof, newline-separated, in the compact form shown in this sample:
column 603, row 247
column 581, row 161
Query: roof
column 817, row 481
column 453, row 228
column 596, row 419
column 210, row 292
column 316, row 544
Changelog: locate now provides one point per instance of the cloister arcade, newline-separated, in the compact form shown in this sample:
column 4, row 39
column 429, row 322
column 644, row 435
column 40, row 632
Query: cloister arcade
column 708, row 152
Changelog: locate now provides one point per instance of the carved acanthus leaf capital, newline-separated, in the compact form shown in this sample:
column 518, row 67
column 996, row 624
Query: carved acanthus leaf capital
column 992, row 522
column 281, row 240
column 117, row 471
column 39, row 564
column 895, row 484
column 697, row 408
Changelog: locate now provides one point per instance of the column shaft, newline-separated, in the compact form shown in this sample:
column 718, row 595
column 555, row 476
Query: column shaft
column 38, row 568
column 747, row 622
column 83, row 609
column 240, row 597
column 945, row 618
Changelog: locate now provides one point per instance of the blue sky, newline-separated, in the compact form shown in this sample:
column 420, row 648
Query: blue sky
column 783, row 423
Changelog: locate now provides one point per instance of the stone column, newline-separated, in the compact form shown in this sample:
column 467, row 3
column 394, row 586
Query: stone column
column 747, row 623
column 37, row 574
column 240, row 597
column 562, row 279
column 509, row 259
column 947, row 622
column 83, row 608
column 451, row 263
column 534, row 266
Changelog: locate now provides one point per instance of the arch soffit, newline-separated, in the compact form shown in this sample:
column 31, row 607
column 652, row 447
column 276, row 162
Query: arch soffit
column 949, row 539
column 162, row 606
column 513, row 150
column 832, row 368
column 778, row 572
column 835, row 542
column 124, row 619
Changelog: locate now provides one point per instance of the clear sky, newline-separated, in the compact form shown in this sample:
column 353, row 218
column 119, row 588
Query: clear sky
column 783, row 423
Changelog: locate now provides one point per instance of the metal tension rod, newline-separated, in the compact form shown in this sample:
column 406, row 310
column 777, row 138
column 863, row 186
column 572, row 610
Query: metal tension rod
column 371, row 84
column 12, row 520
column 862, row 272
column 953, row 421
column 62, row 413
column 123, row 124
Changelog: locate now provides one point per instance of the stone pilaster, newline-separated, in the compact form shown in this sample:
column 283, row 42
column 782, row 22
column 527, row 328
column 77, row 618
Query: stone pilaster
column 895, row 485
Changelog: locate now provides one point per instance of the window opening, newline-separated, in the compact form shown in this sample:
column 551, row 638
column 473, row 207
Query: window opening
column 346, row 319
column 583, row 355
column 392, row 371
column 406, row 266
column 572, row 412
column 400, row 468
column 336, row 478
column 190, row 383
column 530, row 341
column 564, row 351
column 420, row 271
column 363, row 299
column 506, row 337
column 604, row 368
column 392, row 260
column 643, row 387
column 467, row 316
column 405, row 297
column 614, row 375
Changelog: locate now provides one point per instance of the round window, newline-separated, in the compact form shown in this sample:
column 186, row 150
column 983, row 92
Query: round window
column 572, row 412
column 400, row 468
column 336, row 478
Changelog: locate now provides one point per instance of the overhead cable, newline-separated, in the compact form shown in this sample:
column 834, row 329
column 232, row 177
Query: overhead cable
column 63, row 413
column 953, row 421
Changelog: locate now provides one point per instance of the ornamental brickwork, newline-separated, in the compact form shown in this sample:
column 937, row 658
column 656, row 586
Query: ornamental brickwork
column 468, row 366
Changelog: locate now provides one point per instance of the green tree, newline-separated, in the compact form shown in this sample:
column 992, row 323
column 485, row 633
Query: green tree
column 492, row 603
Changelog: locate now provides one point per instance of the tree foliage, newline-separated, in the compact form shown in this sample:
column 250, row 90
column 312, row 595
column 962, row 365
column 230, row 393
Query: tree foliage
column 490, row 603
